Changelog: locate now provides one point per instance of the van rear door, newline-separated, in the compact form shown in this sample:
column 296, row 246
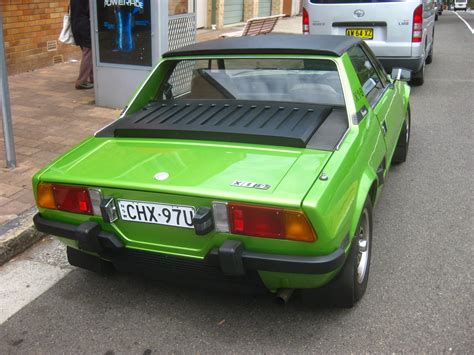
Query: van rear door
column 386, row 25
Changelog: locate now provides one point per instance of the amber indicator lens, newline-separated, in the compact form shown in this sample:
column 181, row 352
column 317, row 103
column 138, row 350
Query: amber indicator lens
column 45, row 198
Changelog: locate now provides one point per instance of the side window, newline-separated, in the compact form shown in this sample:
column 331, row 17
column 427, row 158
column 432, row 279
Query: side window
column 368, row 77
column 378, row 66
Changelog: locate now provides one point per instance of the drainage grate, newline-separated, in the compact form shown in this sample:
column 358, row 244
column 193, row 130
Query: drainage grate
column 57, row 59
column 51, row 46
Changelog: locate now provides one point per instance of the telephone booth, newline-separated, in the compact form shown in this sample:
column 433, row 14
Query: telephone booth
column 128, row 39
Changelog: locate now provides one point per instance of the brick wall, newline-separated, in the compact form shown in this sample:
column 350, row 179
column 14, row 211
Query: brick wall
column 28, row 26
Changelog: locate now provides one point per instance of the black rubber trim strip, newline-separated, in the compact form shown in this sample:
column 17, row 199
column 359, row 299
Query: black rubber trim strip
column 359, row 24
column 250, row 260
column 66, row 230
column 287, row 263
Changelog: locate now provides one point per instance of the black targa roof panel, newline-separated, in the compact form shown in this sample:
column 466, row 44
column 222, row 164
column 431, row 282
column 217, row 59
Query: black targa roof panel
column 282, row 124
column 270, row 44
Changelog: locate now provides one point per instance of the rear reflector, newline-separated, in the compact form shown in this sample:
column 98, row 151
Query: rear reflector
column 74, row 199
column 269, row 222
column 305, row 22
column 417, row 33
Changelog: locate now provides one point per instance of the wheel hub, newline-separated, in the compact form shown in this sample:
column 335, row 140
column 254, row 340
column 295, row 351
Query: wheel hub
column 363, row 247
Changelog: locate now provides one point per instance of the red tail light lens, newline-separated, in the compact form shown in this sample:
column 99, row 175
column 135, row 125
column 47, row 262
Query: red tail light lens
column 305, row 22
column 72, row 199
column 65, row 198
column 269, row 222
column 417, row 33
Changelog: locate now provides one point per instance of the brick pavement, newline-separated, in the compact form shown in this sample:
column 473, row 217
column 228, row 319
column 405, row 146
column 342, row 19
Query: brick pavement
column 50, row 116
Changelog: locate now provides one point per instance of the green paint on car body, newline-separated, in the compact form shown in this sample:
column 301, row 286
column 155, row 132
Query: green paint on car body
column 201, row 172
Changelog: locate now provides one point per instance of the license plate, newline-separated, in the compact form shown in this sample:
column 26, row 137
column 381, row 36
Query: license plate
column 365, row 33
column 156, row 213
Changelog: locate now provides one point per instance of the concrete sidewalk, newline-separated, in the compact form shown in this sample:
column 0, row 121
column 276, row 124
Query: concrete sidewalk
column 49, row 117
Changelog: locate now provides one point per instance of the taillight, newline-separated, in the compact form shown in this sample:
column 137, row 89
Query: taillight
column 269, row 222
column 74, row 199
column 305, row 22
column 417, row 33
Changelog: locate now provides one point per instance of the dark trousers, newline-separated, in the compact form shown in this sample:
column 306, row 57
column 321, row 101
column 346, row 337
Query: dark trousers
column 86, row 74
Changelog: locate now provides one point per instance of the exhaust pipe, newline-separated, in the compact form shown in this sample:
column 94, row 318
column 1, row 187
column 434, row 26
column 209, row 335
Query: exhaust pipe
column 283, row 295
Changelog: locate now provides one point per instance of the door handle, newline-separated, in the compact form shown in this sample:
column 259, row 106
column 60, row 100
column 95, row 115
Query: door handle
column 384, row 127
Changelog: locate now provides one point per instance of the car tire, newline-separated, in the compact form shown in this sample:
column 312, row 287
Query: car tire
column 419, row 77
column 350, row 284
column 401, row 150
column 429, row 58
column 89, row 262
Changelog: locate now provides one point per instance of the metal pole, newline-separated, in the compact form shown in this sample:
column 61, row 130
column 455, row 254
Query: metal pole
column 5, row 102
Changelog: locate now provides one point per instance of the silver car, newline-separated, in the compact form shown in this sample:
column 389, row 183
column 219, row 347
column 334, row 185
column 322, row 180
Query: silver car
column 399, row 32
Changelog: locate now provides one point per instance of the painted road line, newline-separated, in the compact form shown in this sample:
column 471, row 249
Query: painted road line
column 466, row 23
column 25, row 278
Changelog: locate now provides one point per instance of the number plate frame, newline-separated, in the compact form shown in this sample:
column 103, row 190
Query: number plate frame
column 365, row 33
column 152, row 213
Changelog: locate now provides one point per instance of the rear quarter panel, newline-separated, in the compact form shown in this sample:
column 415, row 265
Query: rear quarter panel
column 334, row 206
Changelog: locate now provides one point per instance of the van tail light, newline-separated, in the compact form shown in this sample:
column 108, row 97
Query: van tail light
column 305, row 22
column 75, row 199
column 417, row 33
column 269, row 222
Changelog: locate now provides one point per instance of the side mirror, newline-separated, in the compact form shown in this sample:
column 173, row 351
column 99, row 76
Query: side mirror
column 401, row 74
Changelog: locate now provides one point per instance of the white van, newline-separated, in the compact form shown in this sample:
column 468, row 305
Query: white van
column 460, row 5
column 399, row 32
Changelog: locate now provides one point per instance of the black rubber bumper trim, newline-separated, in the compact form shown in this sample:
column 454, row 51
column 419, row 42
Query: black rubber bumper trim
column 105, row 240
column 285, row 263
column 230, row 256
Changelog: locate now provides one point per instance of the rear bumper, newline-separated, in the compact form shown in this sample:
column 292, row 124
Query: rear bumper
column 231, row 257
column 413, row 64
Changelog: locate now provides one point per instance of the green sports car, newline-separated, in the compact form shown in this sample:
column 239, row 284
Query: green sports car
column 243, row 163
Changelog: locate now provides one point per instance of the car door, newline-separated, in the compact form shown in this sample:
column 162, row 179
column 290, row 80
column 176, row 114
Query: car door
column 381, row 94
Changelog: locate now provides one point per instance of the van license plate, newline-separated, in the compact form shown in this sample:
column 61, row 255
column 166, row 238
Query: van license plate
column 156, row 213
column 365, row 33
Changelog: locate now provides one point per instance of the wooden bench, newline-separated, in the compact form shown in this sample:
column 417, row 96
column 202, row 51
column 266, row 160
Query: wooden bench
column 256, row 26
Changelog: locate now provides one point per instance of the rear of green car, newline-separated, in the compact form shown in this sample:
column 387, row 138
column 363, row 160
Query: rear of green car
column 228, row 206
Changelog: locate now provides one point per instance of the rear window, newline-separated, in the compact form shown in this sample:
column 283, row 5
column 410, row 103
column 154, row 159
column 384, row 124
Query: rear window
column 257, row 79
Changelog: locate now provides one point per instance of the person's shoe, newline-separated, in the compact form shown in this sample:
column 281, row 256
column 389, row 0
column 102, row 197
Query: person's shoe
column 85, row 86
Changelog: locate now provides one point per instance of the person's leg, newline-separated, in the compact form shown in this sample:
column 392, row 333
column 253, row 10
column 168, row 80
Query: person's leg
column 85, row 70
column 89, row 66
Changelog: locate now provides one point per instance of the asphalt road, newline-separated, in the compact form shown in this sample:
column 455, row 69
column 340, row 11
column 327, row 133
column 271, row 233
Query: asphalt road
column 421, row 289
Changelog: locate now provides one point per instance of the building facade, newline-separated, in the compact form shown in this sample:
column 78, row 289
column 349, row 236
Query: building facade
column 230, row 12
column 31, row 29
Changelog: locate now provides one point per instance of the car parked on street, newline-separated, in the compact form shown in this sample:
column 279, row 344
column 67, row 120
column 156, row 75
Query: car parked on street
column 399, row 32
column 460, row 5
column 249, row 162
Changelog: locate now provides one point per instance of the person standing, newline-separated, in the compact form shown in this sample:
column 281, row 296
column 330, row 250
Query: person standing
column 81, row 30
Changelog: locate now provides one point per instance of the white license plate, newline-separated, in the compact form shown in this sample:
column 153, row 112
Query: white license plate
column 156, row 213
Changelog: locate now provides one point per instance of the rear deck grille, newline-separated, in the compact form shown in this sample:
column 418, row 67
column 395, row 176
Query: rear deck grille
column 271, row 123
